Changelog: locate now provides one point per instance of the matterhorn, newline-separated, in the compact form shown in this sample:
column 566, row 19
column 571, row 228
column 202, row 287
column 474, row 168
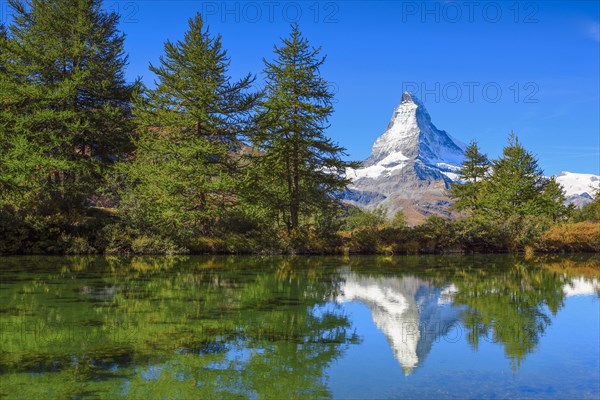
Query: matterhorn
column 410, row 167
column 413, row 163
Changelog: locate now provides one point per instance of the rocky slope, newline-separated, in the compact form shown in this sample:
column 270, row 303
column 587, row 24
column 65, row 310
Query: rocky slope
column 410, row 167
column 413, row 163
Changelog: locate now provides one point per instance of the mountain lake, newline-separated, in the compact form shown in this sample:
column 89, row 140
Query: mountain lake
column 358, row 327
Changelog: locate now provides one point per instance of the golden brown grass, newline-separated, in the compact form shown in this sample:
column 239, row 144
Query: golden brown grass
column 571, row 237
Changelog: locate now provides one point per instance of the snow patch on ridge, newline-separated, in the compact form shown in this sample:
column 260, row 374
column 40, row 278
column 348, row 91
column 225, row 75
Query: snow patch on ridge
column 448, row 167
column 372, row 172
column 454, row 177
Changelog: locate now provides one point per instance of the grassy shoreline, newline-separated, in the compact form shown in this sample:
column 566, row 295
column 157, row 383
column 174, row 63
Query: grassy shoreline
column 565, row 238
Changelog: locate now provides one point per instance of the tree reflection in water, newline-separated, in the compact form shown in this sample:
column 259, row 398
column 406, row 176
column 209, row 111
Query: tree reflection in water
column 501, row 299
column 230, row 327
column 172, row 328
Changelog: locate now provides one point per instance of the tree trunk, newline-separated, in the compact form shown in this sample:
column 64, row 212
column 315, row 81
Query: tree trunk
column 290, row 191
column 295, row 203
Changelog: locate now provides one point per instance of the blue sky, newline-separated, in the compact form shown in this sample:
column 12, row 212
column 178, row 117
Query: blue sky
column 482, row 68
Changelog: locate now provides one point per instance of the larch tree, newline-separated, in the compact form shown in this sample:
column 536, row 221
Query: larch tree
column 472, row 174
column 65, row 99
column 303, row 168
column 518, row 187
column 65, row 114
column 184, row 173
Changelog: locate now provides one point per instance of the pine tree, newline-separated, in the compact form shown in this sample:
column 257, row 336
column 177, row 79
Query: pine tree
column 399, row 220
column 476, row 165
column 473, row 172
column 23, row 167
column 184, row 176
column 65, row 102
column 302, row 167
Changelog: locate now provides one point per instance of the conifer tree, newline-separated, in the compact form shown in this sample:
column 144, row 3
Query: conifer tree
column 517, row 186
column 552, row 201
column 472, row 174
column 511, row 202
column 184, row 175
column 65, row 118
column 64, row 100
column 302, row 166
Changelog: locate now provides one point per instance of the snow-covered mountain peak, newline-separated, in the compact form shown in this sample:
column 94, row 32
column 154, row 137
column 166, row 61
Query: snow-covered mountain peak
column 411, row 165
column 410, row 136
column 411, row 99
column 406, row 97
column 574, row 183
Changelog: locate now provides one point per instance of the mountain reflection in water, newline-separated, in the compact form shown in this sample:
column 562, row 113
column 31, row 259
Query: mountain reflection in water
column 413, row 313
column 248, row 327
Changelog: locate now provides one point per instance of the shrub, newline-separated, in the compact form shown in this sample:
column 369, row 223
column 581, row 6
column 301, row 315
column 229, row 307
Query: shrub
column 589, row 212
column 436, row 234
column 359, row 219
column 76, row 245
column 155, row 245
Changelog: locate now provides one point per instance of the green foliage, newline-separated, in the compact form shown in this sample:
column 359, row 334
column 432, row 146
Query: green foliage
column 300, row 166
column 118, row 238
column 517, row 187
column 203, row 162
column 399, row 220
column 65, row 100
column 473, row 172
column 65, row 107
column 363, row 219
column 589, row 212
column 154, row 245
column 183, row 178
column 512, row 205
column 476, row 234
column 436, row 234
column 364, row 228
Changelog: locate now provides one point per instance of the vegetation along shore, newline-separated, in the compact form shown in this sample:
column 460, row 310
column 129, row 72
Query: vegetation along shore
column 202, row 163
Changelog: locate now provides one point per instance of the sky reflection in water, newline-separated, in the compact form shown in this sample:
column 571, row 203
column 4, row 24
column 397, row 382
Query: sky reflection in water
column 241, row 327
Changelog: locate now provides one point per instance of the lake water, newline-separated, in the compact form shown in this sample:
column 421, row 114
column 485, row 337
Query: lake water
column 288, row 328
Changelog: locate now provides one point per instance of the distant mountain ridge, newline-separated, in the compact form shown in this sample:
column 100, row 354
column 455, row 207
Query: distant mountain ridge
column 579, row 188
column 413, row 163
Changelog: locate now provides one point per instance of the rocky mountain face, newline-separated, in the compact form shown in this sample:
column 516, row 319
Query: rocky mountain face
column 413, row 163
column 410, row 167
